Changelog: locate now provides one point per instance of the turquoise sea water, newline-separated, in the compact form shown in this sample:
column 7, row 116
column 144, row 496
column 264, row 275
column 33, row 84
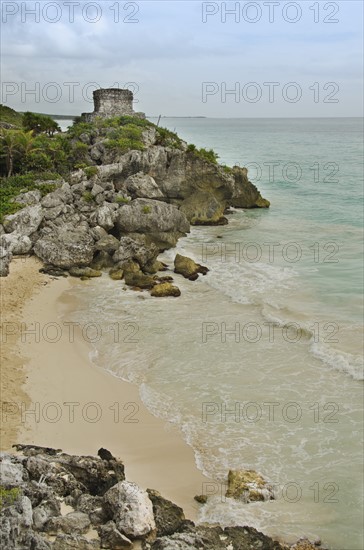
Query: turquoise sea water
column 260, row 362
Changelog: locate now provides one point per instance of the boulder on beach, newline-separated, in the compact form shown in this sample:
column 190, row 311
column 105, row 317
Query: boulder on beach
column 188, row 268
column 248, row 486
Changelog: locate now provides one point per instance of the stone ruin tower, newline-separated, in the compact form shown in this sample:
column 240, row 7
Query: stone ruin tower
column 110, row 102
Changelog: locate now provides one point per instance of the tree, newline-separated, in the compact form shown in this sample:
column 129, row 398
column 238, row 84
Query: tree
column 9, row 148
column 40, row 123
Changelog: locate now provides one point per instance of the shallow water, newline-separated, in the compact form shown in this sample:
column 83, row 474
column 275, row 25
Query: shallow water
column 259, row 362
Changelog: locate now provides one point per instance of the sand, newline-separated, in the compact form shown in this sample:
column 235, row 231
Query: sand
column 58, row 398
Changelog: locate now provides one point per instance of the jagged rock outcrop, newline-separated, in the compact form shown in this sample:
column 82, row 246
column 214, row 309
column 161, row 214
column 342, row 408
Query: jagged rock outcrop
column 103, row 509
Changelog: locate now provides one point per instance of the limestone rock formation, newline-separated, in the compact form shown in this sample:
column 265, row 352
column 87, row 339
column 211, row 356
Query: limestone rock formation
column 66, row 248
column 248, row 486
column 188, row 268
column 163, row 290
column 103, row 509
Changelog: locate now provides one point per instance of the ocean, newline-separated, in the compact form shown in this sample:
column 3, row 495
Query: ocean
column 259, row 363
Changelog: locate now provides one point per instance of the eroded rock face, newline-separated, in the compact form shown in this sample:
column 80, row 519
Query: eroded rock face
column 131, row 509
column 150, row 216
column 143, row 186
column 66, row 248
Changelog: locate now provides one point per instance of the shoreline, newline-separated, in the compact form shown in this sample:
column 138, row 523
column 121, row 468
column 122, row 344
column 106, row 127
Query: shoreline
column 64, row 401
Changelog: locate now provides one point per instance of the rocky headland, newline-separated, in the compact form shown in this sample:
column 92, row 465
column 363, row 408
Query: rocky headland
column 124, row 205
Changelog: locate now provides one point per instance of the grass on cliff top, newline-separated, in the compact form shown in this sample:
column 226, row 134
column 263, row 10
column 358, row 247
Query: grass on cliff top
column 208, row 155
column 13, row 186
column 10, row 116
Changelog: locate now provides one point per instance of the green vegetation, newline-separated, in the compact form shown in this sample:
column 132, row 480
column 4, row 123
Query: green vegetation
column 40, row 124
column 34, row 150
column 168, row 139
column 10, row 116
column 146, row 209
column 88, row 196
column 91, row 171
column 13, row 186
column 122, row 200
column 8, row 496
column 208, row 155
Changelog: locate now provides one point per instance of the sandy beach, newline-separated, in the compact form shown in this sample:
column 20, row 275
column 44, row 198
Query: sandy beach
column 52, row 394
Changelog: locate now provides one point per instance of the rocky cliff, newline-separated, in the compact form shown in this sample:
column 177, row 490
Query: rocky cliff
column 134, row 197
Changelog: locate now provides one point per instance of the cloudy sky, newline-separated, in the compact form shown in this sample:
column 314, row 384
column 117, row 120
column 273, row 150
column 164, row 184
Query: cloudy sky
column 217, row 59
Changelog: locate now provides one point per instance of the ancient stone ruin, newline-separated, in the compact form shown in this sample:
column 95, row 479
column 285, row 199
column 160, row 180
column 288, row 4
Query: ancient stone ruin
column 111, row 102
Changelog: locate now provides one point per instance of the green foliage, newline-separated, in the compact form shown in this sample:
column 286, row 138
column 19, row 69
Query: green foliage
column 40, row 123
column 88, row 196
column 91, row 171
column 146, row 209
column 13, row 186
column 8, row 496
column 122, row 200
column 227, row 169
column 167, row 138
column 208, row 155
column 80, row 127
column 124, row 144
column 10, row 116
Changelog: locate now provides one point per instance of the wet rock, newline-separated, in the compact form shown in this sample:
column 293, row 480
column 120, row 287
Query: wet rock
column 131, row 509
column 188, row 268
column 201, row 499
column 164, row 290
column 116, row 274
column 168, row 516
column 248, row 486
column 102, row 260
column 139, row 280
column 53, row 271
column 84, row 272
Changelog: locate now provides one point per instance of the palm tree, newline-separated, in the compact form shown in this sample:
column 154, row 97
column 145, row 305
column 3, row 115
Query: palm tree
column 9, row 147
